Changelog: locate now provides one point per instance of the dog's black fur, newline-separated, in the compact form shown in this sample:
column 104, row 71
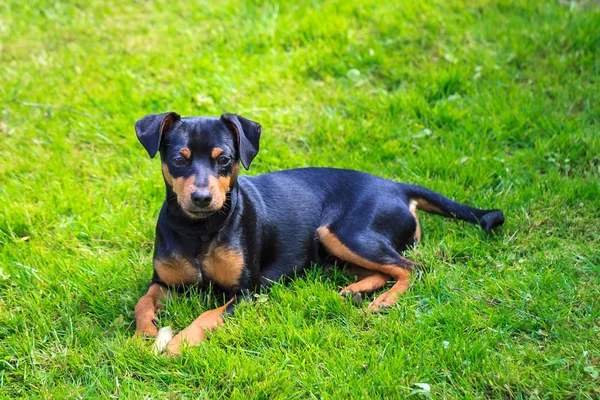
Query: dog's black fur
column 242, row 233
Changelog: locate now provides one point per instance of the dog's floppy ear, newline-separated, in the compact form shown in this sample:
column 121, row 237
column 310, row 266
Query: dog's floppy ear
column 247, row 134
column 152, row 127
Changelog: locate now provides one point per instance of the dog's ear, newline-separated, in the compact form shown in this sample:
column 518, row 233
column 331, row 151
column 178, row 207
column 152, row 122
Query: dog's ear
column 247, row 134
column 151, row 129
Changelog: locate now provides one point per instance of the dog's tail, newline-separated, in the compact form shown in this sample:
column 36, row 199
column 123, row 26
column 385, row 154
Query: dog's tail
column 432, row 202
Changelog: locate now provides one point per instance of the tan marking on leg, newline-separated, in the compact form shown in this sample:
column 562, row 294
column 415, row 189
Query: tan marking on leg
column 177, row 270
column 412, row 206
column 185, row 152
column 424, row 205
column 399, row 272
column 368, row 284
column 387, row 299
column 338, row 249
column 223, row 265
column 216, row 152
column 146, row 308
column 196, row 332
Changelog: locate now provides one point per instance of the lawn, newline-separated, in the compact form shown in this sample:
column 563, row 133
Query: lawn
column 493, row 103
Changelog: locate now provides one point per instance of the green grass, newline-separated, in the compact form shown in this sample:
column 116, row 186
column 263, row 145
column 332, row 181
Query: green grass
column 494, row 103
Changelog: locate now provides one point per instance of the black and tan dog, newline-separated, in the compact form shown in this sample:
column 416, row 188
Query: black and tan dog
column 243, row 233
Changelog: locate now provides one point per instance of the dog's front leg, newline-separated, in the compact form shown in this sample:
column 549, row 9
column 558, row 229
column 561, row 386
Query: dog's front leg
column 146, row 308
column 196, row 332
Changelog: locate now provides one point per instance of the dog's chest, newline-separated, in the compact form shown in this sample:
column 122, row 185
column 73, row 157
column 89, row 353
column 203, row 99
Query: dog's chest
column 220, row 264
column 177, row 270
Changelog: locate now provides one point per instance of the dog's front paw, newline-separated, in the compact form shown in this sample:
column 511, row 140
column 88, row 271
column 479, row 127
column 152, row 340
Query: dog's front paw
column 190, row 336
column 173, row 348
column 146, row 327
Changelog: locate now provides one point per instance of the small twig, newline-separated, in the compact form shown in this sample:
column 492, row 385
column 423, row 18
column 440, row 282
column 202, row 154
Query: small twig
column 494, row 303
column 53, row 107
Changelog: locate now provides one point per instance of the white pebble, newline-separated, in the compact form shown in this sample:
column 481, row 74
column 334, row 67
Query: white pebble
column 164, row 336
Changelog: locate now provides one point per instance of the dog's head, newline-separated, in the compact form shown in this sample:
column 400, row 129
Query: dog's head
column 200, row 155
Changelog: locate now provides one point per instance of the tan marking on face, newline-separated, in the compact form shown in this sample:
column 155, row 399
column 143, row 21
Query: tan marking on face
column 185, row 152
column 146, row 308
column 216, row 152
column 223, row 265
column 412, row 206
column 177, row 270
column 219, row 188
column 224, row 183
column 424, row 205
column 167, row 175
column 234, row 174
column 183, row 187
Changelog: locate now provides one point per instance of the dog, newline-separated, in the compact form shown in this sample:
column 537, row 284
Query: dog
column 242, row 233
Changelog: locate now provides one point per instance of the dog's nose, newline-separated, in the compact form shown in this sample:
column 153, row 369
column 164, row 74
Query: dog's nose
column 201, row 198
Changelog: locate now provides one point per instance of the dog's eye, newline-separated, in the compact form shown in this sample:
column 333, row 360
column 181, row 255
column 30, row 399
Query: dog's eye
column 223, row 160
column 179, row 161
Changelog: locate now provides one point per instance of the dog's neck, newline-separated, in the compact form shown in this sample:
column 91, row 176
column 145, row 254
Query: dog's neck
column 204, row 229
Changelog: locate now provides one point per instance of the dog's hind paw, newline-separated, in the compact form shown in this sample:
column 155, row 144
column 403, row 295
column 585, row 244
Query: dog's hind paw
column 349, row 294
column 385, row 300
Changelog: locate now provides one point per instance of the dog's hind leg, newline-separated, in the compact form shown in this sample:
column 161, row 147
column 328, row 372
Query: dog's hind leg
column 387, row 299
column 368, row 282
column 412, row 206
column 374, row 252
